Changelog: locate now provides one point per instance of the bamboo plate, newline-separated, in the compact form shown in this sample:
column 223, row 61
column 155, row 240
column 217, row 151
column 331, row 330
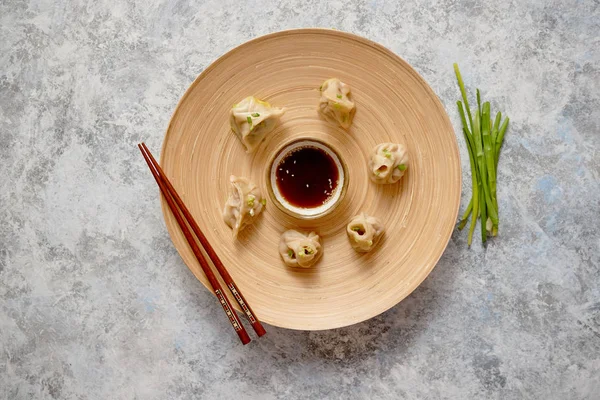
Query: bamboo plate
column 394, row 104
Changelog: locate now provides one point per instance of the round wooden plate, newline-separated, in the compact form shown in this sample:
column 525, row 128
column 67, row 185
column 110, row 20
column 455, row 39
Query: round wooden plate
column 394, row 104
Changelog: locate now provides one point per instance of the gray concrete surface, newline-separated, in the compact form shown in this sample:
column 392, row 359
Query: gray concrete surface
column 95, row 303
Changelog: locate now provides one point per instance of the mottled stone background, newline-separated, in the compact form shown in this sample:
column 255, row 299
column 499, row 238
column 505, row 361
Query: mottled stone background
column 95, row 302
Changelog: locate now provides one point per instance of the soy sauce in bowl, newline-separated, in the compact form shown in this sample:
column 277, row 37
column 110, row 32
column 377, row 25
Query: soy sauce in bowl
column 307, row 177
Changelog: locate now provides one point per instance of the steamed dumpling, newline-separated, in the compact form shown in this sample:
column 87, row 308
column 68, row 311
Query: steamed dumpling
column 252, row 119
column 336, row 103
column 244, row 204
column 298, row 249
column 387, row 163
column 364, row 232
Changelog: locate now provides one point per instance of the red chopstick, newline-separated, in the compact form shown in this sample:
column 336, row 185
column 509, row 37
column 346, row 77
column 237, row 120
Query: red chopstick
column 171, row 196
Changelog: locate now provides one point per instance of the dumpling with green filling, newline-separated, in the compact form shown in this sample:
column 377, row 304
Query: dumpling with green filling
column 388, row 163
column 252, row 120
column 364, row 232
column 244, row 204
column 299, row 249
column 336, row 103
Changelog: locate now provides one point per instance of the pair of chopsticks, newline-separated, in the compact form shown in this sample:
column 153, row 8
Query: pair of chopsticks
column 176, row 204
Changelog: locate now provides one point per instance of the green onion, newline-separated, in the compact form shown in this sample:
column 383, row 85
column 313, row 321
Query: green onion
column 387, row 153
column 356, row 228
column 402, row 167
column 263, row 202
column 290, row 253
column 484, row 139
column 495, row 128
column 478, row 104
column 490, row 163
column 465, row 217
column 339, row 96
column 461, row 85
column 500, row 138
column 249, row 119
column 481, row 167
column 255, row 115
column 474, row 183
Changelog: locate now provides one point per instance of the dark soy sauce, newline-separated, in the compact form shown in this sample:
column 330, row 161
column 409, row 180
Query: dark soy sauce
column 307, row 177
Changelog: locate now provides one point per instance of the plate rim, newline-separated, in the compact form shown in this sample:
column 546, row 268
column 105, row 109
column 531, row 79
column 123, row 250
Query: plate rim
column 295, row 31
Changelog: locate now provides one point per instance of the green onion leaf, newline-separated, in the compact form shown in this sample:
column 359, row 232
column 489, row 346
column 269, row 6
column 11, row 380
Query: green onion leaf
column 255, row 115
column 463, row 92
column 402, row 167
column 465, row 217
column 339, row 96
column 263, row 202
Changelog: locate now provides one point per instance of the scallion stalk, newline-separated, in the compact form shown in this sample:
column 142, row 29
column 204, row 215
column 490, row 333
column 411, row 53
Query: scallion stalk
column 484, row 139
